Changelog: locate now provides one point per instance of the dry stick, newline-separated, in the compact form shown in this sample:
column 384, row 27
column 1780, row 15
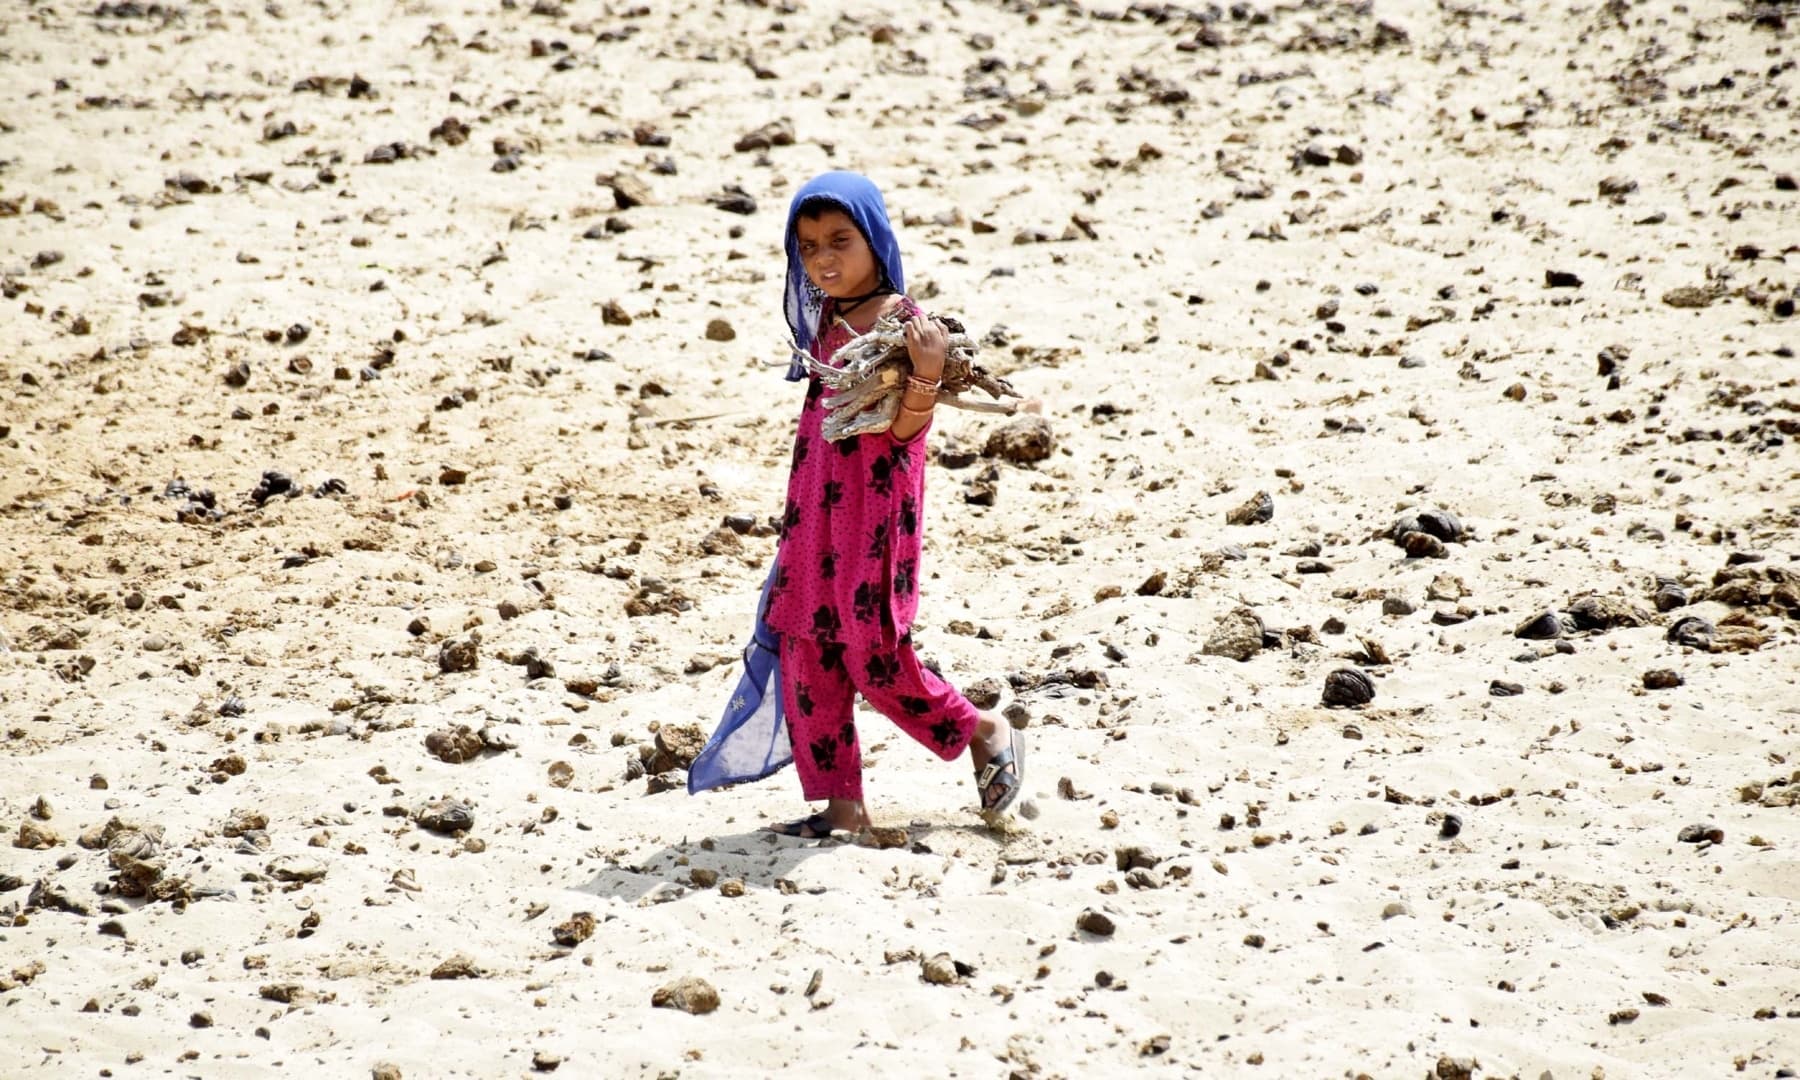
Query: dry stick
column 666, row 421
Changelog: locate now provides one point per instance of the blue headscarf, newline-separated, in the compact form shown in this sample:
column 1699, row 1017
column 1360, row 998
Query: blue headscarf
column 857, row 196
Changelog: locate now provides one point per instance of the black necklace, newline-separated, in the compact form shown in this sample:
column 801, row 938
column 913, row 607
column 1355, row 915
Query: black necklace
column 849, row 304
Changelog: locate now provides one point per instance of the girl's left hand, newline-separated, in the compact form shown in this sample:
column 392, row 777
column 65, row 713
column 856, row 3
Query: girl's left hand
column 928, row 344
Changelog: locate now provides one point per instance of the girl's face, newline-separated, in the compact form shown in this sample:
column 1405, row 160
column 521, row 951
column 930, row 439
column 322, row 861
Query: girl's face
column 836, row 257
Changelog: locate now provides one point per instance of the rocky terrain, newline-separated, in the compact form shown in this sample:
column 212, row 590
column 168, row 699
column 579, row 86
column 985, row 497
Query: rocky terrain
column 1400, row 590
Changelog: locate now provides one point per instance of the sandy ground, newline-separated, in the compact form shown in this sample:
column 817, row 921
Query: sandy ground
column 1531, row 264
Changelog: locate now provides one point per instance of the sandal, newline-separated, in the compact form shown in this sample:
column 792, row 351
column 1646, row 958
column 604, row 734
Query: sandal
column 815, row 827
column 995, row 772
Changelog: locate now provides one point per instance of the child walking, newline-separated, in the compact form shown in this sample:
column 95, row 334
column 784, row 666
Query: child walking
column 845, row 587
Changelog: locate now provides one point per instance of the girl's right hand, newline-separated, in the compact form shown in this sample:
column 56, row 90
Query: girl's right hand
column 928, row 344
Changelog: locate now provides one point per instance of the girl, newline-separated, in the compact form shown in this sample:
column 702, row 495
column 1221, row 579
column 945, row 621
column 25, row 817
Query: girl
column 846, row 581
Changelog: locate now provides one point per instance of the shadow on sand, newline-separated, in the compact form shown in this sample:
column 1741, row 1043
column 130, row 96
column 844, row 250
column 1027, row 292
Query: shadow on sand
column 761, row 860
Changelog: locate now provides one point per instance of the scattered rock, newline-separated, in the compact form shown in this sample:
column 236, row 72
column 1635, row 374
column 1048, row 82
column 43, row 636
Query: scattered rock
column 446, row 816
column 1097, row 923
column 1025, row 440
column 719, row 330
column 574, row 930
column 690, row 995
column 1691, row 296
column 459, row 654
column 774, row 133
column 1606, row 613
column 283, row 993
column 1669, row 595
column 1430, row 520
column 627, row 190
column 1238, row 635
column 882, row 837
column 985, row 693
column 676, row 747
column 733, row 200
column 274, row 483
column 135, row 852
column 1617, row 187
column 1704, row 832
column 1259, row 508
column 1456, row 1068
column 34, row 836
column 1348, row 688
column 301, row 868
column 1423, row 545
column 450, row 131
column 455, row 744
column 1134, row 857
column 458, row 966
column 1693, row 631
column 1662, row 679
column 939, row 970
column 1544, row 626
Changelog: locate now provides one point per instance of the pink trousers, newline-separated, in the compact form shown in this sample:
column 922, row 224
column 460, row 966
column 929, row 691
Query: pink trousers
column 819, row 684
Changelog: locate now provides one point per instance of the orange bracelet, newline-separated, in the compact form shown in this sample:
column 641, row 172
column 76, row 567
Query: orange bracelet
column 926, row 387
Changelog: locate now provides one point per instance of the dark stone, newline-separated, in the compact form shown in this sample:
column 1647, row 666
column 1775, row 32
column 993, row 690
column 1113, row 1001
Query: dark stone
column 734, row 200
column 1544, row 626
column 273, row 483
column 1097, row 923
column 1693, row 631
column 446, row 816
column 1430, row 520
column 1669, row 595
column 1348, row 688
